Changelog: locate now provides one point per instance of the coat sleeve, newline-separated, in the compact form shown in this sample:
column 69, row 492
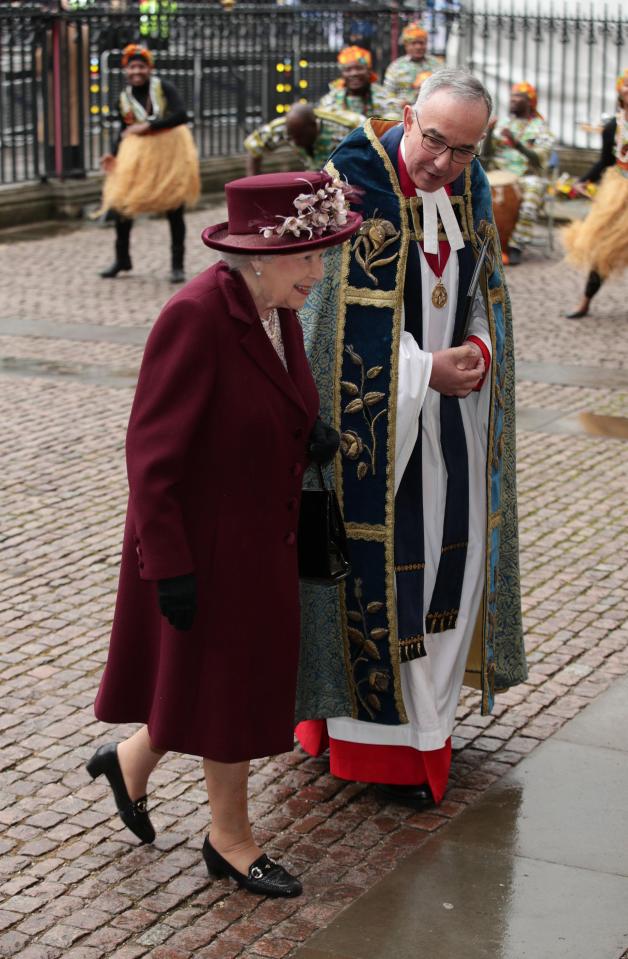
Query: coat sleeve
column 172, row 396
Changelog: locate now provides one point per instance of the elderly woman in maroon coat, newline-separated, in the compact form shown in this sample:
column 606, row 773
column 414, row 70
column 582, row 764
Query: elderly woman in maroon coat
column 205, row 637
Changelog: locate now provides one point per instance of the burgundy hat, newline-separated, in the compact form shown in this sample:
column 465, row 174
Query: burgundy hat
column 284, row 213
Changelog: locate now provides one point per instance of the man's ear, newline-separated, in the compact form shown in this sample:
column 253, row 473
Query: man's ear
column 408, row 118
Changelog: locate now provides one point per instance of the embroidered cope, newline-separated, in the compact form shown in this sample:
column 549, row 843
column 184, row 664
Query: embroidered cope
column 384, row 331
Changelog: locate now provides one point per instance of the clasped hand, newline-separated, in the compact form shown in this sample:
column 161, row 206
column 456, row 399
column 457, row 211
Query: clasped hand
column 458, row 370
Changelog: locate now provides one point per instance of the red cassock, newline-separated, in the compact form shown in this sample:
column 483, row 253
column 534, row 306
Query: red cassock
column 216, row 449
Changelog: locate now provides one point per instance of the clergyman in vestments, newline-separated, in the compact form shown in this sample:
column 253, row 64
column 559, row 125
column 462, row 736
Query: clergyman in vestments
column 420, row 384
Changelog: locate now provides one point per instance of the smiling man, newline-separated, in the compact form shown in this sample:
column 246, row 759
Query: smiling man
column 422, row 390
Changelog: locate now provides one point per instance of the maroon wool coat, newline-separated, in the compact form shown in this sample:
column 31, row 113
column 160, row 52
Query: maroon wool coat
column 216, row 449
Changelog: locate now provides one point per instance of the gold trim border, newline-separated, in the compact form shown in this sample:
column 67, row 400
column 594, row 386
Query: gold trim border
column 389, row 546
column 373, row 534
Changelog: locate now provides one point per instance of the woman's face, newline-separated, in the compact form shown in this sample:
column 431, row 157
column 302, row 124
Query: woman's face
column 286, row 281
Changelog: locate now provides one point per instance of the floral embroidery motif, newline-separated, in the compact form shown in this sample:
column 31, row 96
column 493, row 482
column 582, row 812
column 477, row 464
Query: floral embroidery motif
column 363, row 638
column 373, row 237
column 362, row 400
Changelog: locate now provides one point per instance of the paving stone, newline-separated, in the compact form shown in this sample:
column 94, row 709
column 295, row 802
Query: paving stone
column 75, row 883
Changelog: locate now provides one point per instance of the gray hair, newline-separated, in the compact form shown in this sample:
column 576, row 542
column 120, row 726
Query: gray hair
column 237, row 261
column 461, row 84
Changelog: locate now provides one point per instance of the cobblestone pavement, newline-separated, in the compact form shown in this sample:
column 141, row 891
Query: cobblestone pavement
column 74, row 884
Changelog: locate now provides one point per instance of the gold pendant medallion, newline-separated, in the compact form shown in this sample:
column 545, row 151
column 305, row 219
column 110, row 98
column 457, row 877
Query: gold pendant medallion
column 439, row 295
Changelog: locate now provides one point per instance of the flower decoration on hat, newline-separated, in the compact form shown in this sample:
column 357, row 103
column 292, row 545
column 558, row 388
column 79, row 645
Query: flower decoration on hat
column 621, row 79
column 133, row 51
column 319, row 212
column 413, row 31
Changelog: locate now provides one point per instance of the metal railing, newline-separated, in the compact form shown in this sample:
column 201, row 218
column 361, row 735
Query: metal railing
column 60, row 75
column 571, row 52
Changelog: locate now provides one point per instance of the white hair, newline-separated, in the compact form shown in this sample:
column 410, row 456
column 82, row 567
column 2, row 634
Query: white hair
column 461, row 84
column 238, row 261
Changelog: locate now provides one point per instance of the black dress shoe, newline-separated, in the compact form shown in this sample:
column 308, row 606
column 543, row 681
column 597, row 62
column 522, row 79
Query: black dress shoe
column 418, row 797
column 132, row 812
column 577, row 314
column 118, row 266
column 177, row 275
column 265, row 877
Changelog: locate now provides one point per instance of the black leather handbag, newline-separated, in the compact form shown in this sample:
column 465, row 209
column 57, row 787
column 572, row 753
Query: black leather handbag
column 322, row 540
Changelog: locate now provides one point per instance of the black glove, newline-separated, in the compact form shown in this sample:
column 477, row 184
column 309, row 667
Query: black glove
column 323, row 443
column 177, row 600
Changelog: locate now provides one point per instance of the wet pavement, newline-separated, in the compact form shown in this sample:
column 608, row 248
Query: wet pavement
column 72, row 882
column 536, row 868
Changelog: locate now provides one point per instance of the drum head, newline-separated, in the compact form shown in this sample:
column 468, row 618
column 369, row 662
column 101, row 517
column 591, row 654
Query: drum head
column 501, row 178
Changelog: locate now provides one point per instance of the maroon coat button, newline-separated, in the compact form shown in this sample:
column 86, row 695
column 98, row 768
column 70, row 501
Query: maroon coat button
column 290, row 539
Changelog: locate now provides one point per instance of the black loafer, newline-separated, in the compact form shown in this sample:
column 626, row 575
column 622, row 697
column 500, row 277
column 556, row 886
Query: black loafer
column 418, row 797
column 132, row 812
column 177, row 275
column 576, row 315
column 265, row 877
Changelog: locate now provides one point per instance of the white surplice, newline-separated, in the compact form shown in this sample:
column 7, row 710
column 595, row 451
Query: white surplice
column 431, row 685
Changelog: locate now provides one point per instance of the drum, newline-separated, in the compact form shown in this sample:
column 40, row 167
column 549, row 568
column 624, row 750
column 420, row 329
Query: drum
column 506, row 195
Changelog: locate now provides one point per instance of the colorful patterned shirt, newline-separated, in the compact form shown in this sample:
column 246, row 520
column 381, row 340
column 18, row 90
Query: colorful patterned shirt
column 534, row 133
column 332, row 129
column 401, row 74
column 377, row 103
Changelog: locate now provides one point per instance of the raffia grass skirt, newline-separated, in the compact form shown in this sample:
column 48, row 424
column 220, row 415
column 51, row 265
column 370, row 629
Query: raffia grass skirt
column 600, row 241
column 153, row 173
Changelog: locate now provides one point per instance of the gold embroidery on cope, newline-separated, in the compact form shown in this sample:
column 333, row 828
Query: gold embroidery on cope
column 374, row 236
column 372, row 534
column 372, row 129
column 364, row 638
column 364, row 297
column 362, row 400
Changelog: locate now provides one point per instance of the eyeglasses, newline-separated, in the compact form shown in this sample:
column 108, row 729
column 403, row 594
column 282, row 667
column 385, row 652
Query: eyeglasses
column 438, row 147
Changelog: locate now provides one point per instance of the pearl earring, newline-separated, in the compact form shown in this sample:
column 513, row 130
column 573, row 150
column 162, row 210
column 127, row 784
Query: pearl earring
column 257, row 272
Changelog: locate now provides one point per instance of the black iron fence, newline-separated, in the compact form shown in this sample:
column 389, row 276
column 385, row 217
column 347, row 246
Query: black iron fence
column 60, row 75
column 571, row 52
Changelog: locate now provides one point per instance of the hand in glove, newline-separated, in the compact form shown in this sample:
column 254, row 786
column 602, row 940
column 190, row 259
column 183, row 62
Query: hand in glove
column 323, row 443
column 177, row 600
